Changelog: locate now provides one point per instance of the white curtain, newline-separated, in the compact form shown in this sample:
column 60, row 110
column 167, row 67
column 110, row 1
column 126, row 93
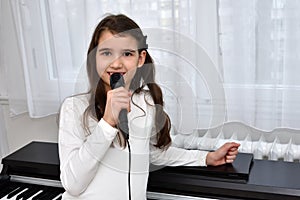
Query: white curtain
column 255, row 81
column 52, row 40
column 260, row 47
column 3, row 137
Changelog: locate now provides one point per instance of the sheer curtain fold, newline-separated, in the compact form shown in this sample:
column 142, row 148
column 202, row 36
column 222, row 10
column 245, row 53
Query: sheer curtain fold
column 3, row 137
column 11, row 63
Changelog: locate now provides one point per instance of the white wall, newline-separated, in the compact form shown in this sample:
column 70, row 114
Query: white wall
column 22, row 129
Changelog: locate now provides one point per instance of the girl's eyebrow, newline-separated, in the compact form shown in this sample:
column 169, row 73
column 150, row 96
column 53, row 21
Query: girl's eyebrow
column 104, row 49
column 130, row 50
column 109, row 49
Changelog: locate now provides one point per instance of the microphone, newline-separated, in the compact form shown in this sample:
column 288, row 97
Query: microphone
column 116, row 81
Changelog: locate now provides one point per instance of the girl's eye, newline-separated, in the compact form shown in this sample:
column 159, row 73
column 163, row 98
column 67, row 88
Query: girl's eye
column 106, row 53
column 127, row 53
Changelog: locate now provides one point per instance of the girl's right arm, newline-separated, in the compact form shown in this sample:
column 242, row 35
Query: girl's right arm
column 79, row 154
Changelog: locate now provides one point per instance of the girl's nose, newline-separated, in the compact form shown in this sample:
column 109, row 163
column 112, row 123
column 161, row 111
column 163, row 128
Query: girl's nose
column 116, row 63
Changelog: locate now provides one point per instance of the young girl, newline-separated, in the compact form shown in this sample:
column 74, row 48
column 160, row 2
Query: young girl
column 97, row 161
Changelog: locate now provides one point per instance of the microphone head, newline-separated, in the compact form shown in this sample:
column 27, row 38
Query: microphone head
column 116, row 80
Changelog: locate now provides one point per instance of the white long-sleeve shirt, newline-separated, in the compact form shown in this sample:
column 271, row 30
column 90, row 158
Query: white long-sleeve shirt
column 96, row 167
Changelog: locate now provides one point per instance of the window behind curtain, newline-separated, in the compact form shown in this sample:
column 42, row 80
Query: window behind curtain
column 260, row 43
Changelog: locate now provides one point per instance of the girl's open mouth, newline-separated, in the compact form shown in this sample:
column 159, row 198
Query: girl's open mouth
column 122, row 73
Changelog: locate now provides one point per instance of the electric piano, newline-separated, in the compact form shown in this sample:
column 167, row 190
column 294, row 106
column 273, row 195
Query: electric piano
column 32, row 173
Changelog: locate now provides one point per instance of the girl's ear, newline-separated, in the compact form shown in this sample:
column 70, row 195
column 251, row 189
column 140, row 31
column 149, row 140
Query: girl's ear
column 142, row 58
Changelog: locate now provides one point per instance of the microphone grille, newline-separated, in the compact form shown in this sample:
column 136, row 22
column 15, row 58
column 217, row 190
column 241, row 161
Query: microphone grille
column 116, row 80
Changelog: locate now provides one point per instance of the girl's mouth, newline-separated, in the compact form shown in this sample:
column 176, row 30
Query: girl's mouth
column 122, row 73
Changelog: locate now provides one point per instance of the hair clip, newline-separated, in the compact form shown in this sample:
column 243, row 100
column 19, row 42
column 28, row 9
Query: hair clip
column 144, row 42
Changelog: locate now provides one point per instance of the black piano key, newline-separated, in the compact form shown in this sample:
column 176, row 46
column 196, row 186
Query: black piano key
column 59, row 198
column 15, row 192
column 4, row 180
column 31, row 193
column 20, row 195
column 51, row 194
column 28, row 193
column 49, row 197
column 43, row 195
column 37, row 193
column 6, row 190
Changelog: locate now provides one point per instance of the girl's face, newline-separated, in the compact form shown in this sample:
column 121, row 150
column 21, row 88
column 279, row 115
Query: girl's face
column 118, row 54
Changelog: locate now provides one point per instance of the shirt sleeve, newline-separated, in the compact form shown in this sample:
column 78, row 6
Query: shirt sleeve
column 174, row 156
column 80, row 153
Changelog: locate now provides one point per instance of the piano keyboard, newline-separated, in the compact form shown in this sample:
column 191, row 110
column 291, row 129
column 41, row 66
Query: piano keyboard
column 29, row 188
column 23, row 191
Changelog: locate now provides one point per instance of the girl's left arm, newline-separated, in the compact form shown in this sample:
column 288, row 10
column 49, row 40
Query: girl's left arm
column 174, row 156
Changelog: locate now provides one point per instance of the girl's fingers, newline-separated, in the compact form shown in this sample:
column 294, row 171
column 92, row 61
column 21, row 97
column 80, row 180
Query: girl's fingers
column 233, row 157
column 117, row 100
column 121, row 90
column 232, row 152
column 229, row 161
column 233, row 149
column 120, row 96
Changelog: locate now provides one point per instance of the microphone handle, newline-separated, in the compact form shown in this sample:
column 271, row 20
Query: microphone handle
column 116, row 81
column 123, row 123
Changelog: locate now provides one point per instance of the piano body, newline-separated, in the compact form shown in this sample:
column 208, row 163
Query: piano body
column 31, row 172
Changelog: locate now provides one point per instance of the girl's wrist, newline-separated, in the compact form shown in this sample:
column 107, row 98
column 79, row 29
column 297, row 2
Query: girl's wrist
column 110, row 122
column 209, row 158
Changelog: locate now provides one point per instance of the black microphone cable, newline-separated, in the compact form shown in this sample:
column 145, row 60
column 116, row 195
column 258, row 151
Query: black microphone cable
column 129, row 169
column 117, row 80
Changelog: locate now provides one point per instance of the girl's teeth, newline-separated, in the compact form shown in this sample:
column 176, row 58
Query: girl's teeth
column 110, row 73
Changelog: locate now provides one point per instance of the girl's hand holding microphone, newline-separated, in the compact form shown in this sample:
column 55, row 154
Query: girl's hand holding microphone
column 117, row 99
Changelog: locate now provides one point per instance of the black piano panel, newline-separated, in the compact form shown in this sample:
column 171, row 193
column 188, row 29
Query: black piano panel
column 36, row 159
column 273, row 180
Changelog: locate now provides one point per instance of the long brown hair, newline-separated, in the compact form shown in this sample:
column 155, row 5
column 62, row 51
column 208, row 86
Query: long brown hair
column 120, row 24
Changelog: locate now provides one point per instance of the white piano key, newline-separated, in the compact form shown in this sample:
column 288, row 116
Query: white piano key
column 57, row 196
column 5, row 197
